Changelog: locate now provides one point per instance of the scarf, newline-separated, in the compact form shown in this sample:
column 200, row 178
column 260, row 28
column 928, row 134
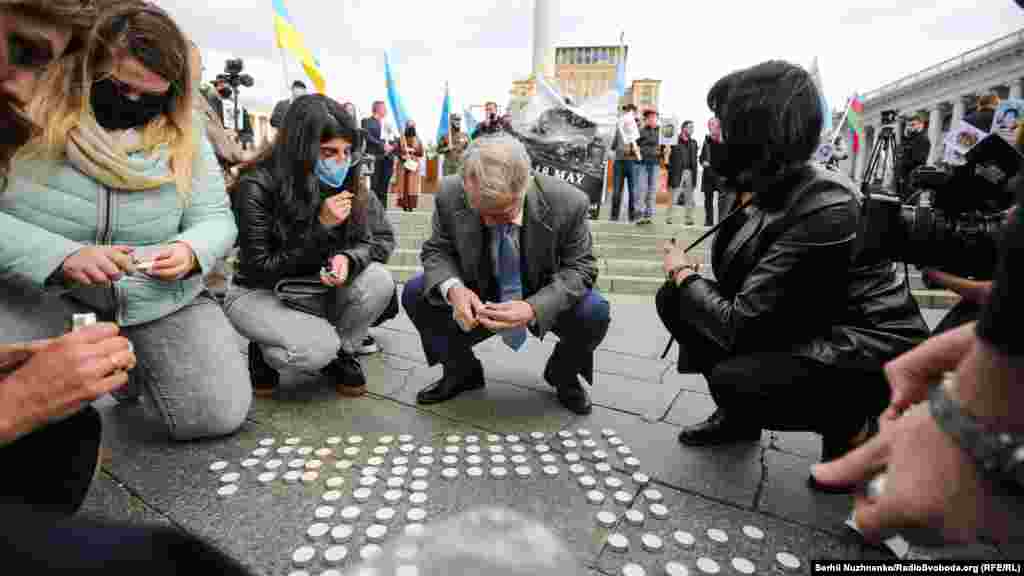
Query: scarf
column 104, row 156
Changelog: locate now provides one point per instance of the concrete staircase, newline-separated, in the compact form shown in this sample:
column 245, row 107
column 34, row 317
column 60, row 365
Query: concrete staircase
column 628, row 255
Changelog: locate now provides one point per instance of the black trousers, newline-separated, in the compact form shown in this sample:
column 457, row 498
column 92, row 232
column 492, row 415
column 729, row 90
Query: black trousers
column 776, row 390
column 383, row 167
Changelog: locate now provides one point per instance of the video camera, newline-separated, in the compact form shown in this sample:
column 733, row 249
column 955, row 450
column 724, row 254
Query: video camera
column 951, row 220
column 233, row 75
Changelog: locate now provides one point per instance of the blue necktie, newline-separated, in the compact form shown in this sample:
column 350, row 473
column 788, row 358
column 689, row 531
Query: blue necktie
column 510, row 281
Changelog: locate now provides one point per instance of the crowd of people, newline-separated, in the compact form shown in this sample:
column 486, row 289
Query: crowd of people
column 115, row 203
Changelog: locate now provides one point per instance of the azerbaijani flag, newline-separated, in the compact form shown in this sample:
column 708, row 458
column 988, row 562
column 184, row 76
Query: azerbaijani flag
column 289, row 38
column 855, row 121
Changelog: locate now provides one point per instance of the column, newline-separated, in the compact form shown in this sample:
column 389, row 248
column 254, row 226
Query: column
column 1017, row 88
column 935, row 132
column 959, row 110
column 545, row 19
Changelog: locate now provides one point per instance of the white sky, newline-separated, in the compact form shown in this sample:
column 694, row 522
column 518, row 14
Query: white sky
column 480, row 46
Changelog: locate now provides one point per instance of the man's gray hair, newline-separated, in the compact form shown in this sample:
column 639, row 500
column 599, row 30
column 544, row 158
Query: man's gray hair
column 500, row 165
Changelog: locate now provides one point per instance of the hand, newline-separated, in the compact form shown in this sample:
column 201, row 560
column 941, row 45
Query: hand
column 912, row 374
column 340, row 266
column 61, row 376
column 14, row 356
column 174, row 262
column 388, row 148
column 514, row 314
column 674, row 257
column 98, row 265
column 932, row 490
column 466, row 307
column 336, row 209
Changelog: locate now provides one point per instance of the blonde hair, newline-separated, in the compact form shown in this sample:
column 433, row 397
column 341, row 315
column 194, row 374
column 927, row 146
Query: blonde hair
column 126, row 28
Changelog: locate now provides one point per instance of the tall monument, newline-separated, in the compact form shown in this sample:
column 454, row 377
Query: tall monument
column 545, row 33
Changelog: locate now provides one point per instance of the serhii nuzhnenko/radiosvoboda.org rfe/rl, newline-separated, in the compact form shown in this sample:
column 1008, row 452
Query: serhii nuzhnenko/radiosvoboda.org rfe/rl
column 948, row 567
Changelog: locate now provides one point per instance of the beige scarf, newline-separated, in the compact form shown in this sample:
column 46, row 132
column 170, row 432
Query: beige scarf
column 104, row 156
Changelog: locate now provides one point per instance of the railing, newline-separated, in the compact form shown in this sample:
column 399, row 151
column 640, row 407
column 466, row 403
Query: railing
column 951, row 64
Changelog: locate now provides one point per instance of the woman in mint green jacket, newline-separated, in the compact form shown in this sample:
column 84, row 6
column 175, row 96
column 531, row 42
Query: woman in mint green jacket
column 118, row 207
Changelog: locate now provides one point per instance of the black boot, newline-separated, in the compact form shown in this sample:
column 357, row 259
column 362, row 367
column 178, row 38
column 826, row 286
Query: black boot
column 835, row 446
column 346, row 373
column 717, row 430
column 458, row 378
column 571, row 393
column 265, row 379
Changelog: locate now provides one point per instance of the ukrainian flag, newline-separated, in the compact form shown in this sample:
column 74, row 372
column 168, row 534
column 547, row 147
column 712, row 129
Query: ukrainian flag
column 289, row 38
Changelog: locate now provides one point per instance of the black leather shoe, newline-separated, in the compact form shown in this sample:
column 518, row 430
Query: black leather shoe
column 265, row 379
column 716, row 431
column 347, row 374
column 835, row 446
column 452, row 383
column 570, row 392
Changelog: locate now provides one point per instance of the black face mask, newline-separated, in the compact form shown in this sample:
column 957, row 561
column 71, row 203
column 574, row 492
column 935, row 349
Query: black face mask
column 115, row 111
column 410, row 132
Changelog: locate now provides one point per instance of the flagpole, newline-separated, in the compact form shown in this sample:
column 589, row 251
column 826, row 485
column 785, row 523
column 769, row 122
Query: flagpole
column 839, row 126
column 284, row 68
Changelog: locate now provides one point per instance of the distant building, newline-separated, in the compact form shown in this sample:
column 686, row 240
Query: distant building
column 584, row 72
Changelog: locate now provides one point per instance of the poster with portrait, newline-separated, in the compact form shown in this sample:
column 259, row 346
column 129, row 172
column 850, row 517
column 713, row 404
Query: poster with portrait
column 1007, row 118
column 959, row 141
column 669, row 131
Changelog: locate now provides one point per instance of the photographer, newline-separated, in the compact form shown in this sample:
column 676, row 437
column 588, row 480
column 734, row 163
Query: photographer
column 492, row 124
column 794, row 332
column 942, row 484
column 913, row 151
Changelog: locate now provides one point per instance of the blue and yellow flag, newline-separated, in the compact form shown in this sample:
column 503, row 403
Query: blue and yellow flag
column 394, row 99
column 442, row 129
column 289, row 38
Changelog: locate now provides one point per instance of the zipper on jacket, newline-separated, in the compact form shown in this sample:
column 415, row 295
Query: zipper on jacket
column 104, row 238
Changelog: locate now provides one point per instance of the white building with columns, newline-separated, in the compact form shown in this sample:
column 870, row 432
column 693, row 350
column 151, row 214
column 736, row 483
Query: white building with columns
column 947, row 90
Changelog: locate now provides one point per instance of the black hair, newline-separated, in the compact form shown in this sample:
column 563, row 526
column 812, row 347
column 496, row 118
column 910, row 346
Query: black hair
column 310, row 121
column 299, row 84
column 771, row 120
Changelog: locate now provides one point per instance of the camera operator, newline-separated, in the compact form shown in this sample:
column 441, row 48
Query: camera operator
column 281, row 108
column 944, row 483
column 492, row 123
column 913, row 151
column 227, row 150
column 794, row 332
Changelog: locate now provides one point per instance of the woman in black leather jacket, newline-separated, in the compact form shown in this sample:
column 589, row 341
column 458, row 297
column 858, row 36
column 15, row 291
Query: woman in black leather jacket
column 295, row 220
column 793, row 333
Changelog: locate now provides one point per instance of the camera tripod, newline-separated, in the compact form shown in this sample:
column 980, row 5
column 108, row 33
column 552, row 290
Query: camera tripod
column 880, row 174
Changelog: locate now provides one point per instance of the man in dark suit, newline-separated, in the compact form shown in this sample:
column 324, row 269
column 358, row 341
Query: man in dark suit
column 378, row 146
column 509, row 252
column 281, row 108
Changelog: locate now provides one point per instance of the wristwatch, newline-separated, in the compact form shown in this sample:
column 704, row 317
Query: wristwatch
column 998, row 455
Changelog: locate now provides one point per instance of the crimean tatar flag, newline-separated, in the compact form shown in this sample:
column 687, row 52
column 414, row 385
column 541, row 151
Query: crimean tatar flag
column 289, row 38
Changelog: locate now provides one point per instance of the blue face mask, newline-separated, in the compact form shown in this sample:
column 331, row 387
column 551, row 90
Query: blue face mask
column 332, row 172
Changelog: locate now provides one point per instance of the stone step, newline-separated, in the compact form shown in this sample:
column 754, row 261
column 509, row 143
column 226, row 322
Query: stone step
column 601, row 251
column 645, row 267
column 624, row 284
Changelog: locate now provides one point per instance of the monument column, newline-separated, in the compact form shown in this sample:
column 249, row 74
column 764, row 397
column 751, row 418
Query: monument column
column 959, row 111
column 935, row 132
column 1017, row 88
column 545, row 21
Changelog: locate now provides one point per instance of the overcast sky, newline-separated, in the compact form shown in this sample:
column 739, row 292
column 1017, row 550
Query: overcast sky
column 480, row 46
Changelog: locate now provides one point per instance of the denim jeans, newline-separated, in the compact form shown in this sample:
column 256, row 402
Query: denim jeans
column 647, row 188
column 297, row 341
column 623, row 174
column 192, row 376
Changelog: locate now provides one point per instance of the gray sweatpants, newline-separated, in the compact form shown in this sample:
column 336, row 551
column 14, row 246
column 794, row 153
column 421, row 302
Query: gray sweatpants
column 190, row 371
column 294, row 340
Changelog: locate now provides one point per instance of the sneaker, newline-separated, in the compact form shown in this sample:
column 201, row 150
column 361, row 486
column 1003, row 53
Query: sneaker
column 347, row 374
column 368, row 346
column 264, row 378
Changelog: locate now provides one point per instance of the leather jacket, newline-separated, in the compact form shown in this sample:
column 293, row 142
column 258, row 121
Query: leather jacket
column 789, row 279
column 265, row 257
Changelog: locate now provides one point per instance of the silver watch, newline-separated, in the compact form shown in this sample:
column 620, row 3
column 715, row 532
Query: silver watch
column 999, row 455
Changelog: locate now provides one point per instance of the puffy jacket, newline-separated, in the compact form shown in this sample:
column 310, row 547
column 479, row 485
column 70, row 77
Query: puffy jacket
column 51, row 210
column 265, row 257
column 648, row 142
column 789, row 279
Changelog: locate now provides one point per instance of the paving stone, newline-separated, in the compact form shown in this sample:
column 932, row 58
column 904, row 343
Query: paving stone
column 697, row 515
column 691, row 382
column 636, row 367
column 524, row 367
column 404, row 344
column 381, row 376
column 690, row 408
column 785, row 494
column 803, row 444
column 635, row 328
column 400, row 323
column 650, row 399
column 499, row 406
column 729, row 473
column 108, row 500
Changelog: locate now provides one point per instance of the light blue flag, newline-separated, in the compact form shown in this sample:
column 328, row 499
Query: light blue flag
column 469, row 121
column 394, row 100
column 620, row 77
column 442, row 129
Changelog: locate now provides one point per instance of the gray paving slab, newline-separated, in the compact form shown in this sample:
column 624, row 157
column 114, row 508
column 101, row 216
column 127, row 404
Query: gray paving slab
column 691, row 382
column 690, row 408
column 785, row 494
column 397, row 343
column 635, row 328
column 498, row 405
column 803, row 444
column 730, row 474
column 635, row 367
column 696, row 516
column 110, row 501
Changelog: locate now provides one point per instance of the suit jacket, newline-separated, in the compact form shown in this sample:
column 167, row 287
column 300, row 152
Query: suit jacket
column 280, row 110
column 374, row 140
column 555, row 244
